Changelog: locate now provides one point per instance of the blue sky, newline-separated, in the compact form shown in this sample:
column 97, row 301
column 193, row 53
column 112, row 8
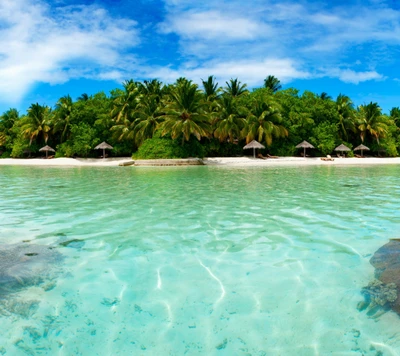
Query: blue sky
column 49, row 49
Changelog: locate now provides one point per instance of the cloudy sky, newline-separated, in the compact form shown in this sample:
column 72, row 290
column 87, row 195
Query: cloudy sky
column 53, row 48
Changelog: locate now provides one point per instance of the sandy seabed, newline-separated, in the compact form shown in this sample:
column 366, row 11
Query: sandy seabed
column 244, row 161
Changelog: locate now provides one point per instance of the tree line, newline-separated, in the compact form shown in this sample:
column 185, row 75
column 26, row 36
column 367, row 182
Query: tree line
column 151, row 120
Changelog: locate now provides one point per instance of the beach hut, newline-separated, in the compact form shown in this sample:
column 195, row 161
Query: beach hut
column 361, row 148
column 104, row 146
column 342, row 148
column 253, row 144
column 305, row 145
column 47, row 149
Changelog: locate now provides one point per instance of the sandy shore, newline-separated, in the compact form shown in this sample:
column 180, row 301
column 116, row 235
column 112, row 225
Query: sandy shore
column 215, row 161
column 64, row 162
column 296, row 161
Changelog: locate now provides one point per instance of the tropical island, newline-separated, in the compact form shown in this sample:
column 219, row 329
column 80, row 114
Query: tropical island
column 151, row 120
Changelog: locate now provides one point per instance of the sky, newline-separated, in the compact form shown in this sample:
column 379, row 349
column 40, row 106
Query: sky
column 53, row 48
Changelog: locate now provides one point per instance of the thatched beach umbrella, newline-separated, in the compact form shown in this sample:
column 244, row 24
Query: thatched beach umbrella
column 342, row 148
column 253, row 144
column 47, row 149
column 305, row 145
column 361, row 148
column 104, row 146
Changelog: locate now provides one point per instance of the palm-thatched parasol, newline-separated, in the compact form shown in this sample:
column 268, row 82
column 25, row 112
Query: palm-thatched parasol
column 342, row 148
column 104, row 146
column 361, row 148
column 47, row 149
column 305, row 145
column 253, row 144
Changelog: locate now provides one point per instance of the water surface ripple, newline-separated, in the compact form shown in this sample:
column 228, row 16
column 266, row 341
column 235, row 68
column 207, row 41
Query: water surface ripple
column 200, row 260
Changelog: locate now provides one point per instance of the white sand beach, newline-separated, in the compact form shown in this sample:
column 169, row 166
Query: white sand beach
column 297, row 161
column 244, row 161
column 64, row 162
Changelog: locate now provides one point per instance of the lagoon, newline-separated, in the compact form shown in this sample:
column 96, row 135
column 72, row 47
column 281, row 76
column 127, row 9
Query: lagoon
column 198, row 260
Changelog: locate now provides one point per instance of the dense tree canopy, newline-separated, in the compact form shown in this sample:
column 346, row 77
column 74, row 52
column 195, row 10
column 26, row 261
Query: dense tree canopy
column 198, row 120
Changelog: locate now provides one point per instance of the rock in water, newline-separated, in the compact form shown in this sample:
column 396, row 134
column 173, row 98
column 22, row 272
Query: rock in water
column 23, row 265
column 386, row 261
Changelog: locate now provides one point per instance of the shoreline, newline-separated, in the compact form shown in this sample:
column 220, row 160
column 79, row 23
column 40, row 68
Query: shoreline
column 211, row 161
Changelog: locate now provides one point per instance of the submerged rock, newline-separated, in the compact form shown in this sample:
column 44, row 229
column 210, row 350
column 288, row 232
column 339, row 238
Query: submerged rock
column 383, row 293
column 74, row 243
column 23, row 265
column 378, row 297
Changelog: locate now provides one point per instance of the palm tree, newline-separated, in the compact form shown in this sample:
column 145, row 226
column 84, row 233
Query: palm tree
column 62, row 116
column 230, row 119
column 152, row 87
column 235, row 88
column 345, row 110
column 395, row 115
column 184, row 113
column 83, row 97
column 148, row 119
column 37, row 123
column 210, row 87
column 371, row 122
column 124, row 130
column 264, row 122
column 7, row 121
column 325, row 96
column 272, row 83
column 124, row 105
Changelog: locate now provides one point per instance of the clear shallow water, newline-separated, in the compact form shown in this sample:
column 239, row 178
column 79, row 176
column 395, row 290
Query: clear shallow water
column 199, row 260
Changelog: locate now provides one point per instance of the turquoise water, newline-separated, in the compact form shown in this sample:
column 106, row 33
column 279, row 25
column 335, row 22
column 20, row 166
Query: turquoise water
column 196, row 260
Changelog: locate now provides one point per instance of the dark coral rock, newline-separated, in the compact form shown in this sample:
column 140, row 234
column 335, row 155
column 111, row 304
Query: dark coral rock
column 23, row 265
column 386, row 261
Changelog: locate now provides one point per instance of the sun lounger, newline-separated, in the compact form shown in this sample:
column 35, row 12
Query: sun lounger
column 261, row 156
column 269, row 156
column 327, row 158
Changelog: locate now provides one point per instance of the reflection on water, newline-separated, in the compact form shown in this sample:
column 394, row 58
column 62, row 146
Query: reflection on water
column 200, row 260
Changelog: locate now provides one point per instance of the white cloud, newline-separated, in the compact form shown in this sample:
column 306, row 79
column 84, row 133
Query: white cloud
column 288, row 39
column 42, row 44
column 309, row 32
column 214, row 24
column 351, row 76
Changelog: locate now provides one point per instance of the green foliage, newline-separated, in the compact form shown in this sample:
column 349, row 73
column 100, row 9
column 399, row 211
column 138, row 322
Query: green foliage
column 215, row 148
column 121, row 149
column 20, row 146
column 272, row 83
column 163, row 148
column 82, row 142
column 235, row 88
column 324, row 137
column 264, row 120
column 210, row 88
column 154, row 148
column 387, row 146
column 284, row 148
column 7, row 122
column 196, row 122
column 185, row 114
column 37, row 124
column 371, row 122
